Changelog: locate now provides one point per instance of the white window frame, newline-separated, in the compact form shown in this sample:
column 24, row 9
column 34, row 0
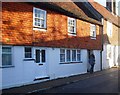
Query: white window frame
column 74, row 33
column 11, row 53
column 67, row 55
column 31, row 53
column 66, row 61
column 109, row 29
column 93, row 31
column 63, row 54
column 75, row 55
column 45, row 19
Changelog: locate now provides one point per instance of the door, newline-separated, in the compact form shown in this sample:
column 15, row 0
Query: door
column 88, row 65
column 89, row 52
column 41, row 64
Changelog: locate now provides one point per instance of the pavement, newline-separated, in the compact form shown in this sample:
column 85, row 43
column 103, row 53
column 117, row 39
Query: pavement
column 27, row 89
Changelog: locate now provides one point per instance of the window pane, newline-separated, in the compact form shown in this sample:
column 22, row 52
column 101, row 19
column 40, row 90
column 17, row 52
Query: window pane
column 93, row 31
column 6, row 49
column 6, row 59
column 42, row 23
column 6, row 56
column 42, row 14
column 78, row 57
column 43, row 55
column 28, row 52
column 28, row 55
column 62, row 51
column 37, row 56
column 40, row 18
column 73, row 55
column 27, row 49
column 62, row 57
column 68, row 55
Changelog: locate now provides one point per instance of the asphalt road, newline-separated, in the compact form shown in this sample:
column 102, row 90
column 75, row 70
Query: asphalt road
column 103, row 83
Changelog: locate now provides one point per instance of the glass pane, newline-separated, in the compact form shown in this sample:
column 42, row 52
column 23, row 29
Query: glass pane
column 37, row 56
column 78, row 57
column 6, row 49
column 28, row 49
column 43, row 55
column 73, row 55
column 35, row 15
column 38, row 24
column 39, row 20
column 28, row 55
column 42, row 23
column 42, row 14
column 28, row 52
column 62, row 51
column 68, row 55
column 62, row 57
column 78, row 51
column 6, row 59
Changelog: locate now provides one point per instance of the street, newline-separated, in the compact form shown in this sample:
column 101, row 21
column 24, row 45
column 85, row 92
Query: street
column 102, row 83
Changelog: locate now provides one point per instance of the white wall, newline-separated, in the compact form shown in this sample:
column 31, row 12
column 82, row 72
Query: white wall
column 108, row 63
column 24, row 72
column 97, row 60
column 62, row 70
column 102, row 2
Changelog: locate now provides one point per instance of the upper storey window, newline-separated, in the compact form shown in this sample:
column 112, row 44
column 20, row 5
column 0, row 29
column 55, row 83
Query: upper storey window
column 71, row 26
column 39, row 18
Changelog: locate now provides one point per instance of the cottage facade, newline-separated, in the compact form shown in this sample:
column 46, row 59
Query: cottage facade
column 40, row 42
column 110, row 36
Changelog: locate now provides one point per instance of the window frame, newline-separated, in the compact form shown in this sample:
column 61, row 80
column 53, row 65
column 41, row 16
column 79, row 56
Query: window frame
column 64, row 55
column 93, row 33
column 71, row 59
column 7, row 66
column 31, row 53
column 35, row 27
column 69, row 32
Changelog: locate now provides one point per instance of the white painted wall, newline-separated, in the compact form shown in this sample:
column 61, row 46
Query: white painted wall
column 57, row 70
column 108, row 63
column 24, row 72
column 97, row 60
column 102, row 2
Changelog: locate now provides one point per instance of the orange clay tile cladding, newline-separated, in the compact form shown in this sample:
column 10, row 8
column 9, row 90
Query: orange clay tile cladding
column 17, row 29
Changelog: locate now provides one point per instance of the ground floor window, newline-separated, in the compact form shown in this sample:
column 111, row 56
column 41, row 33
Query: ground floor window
column 28, row 52
column 6, row 56
column 70, row 55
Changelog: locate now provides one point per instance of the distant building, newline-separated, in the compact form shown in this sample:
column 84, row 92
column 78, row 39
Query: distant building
column 111, row 5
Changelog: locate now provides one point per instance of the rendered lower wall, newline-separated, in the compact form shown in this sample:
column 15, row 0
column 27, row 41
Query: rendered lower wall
column 113, row 60
column 24, row 72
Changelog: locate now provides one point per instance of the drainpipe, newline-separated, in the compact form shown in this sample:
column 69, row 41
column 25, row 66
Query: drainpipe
column 102, row 20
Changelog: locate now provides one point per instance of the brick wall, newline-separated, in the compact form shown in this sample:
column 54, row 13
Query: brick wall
column 17, row 29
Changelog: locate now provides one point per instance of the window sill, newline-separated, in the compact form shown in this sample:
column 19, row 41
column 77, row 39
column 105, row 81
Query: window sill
column 93, row 38
column 71, row 62
column 44, row 29
column 29, row 59
column 72, row 34
column 8, row 66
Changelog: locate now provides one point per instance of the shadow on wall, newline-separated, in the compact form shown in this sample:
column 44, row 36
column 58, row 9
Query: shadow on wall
column 18, row 31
